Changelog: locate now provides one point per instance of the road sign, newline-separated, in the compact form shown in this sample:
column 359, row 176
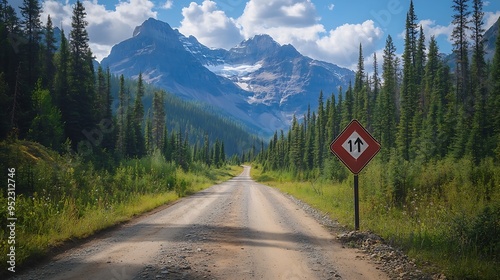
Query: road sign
column 355, row 147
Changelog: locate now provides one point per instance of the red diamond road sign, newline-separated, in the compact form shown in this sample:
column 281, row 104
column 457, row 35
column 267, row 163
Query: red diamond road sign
column 355, row 147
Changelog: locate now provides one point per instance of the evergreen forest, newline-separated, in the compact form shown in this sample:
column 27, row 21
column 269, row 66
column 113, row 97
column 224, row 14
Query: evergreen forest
column 434, row 187
column 90, row 149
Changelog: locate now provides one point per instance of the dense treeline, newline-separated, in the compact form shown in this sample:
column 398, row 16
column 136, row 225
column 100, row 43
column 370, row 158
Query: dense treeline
column 417, row 108
column 52, row 94
column 85, row 149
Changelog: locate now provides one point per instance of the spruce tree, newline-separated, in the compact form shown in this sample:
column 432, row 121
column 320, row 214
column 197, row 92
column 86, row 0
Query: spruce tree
column 32, row 25
column 373, row 97
column 310, row 155
column 347, row 109
column 494, row 100
column 460, row 49
column 9, row 19
column 138, row 117
column 358, row 86
column 158, row 121
column 100, row 103
column 49, row 49
column 477, row 143
column 386, row 106
column 81, row 78
column 319, row 134
column 409, row 94
column 121, row 116
column 46, row 127
column 61, row 94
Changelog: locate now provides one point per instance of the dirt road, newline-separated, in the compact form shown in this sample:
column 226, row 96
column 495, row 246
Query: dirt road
column 235, row 230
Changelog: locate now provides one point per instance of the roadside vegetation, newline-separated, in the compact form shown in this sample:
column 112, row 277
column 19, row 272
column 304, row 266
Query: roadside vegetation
column 62, row 197
column 434, row 188
column 82, row 150
column 447, row 222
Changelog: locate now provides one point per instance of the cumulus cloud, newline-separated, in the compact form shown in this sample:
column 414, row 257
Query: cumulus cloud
column 261, row 15
column 490, row 18
column 341, row 44
column 106, row 27
column 430, row 28
column 210, row 25
column 297, row 22
column 168, row 5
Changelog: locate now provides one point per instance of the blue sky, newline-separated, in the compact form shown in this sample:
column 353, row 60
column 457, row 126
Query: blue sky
column 328, row 30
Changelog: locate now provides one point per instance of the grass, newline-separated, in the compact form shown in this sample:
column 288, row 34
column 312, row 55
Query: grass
column 62, row 198
column 446, row 225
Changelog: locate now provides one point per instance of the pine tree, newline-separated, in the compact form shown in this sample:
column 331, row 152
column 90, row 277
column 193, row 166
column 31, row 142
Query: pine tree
column 408, row 88
column 30, row 10
column 477, row 144
column 460, row 49
column 319, row 145
column 373, row 97
column 310, row 154
column 494, row 100
column 46, row 127
column 332, row 123
column 138, row 117
column 81, row 78
column 430, row 144
column 347, row 107
column 100, row 103
column 358, row 86
column 49, row 49
column 296, row 146
column 9, row 19
column 148, row 135
column 158, row 121
column 386, row 106
column 4, row 103
column 61, row 80
column 420, row 60
column 121, row 116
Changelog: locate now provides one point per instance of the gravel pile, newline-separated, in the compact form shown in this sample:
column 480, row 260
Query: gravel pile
column 390, row 260
column 176, row 264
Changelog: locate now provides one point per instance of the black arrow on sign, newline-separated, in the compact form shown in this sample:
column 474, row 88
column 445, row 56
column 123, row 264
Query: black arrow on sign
column 359, row 142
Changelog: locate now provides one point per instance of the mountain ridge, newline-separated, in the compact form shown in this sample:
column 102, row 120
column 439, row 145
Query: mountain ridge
column 259, row 81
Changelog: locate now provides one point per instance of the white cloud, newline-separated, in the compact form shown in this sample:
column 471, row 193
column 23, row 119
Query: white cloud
column 209, row 25
column 297, row 22
column 331, row 6
column 106, row 27
column 263, row 14
column 341, row 44
column 490, row 18
column 168, row 5
column 430, row 29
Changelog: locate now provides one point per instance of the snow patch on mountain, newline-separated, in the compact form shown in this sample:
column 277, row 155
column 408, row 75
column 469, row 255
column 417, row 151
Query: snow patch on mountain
column 228, row 70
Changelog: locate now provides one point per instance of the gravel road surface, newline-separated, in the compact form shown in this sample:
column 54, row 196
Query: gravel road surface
column 235, row 230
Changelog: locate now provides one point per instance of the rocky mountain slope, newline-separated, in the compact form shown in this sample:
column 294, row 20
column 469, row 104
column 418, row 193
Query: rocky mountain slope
column 259, row 81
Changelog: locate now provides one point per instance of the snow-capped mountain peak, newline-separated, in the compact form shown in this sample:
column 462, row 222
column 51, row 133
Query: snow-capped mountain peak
column 258, row 81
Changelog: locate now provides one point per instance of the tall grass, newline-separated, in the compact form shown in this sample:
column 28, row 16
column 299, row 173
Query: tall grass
column 445, row 212
column 68, row 198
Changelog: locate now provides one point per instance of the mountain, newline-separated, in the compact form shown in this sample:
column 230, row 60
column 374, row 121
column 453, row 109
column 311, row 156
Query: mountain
column 258, row 82
column 490, row 38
